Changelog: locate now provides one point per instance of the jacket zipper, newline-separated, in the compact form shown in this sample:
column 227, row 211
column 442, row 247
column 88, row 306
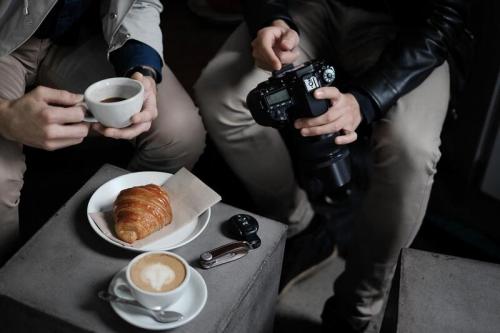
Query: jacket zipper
column 26, row 13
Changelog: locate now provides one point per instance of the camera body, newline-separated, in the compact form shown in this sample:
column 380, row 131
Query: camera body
column 288, row 94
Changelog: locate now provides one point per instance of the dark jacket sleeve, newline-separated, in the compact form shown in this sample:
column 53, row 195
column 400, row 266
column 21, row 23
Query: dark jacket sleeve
column 413, row 55
column 260, row 13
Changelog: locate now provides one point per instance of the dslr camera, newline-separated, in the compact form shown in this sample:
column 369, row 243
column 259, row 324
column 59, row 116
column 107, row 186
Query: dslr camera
column 288, row 95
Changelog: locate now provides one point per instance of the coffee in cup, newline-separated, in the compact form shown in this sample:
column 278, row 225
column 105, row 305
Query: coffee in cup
column 112, row 102
column 158, row 272
column 158, row 278
column 113, row 99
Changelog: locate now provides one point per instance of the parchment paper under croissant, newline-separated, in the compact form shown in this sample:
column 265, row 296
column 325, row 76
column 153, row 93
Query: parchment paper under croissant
column 188, row 196
column 141, row 210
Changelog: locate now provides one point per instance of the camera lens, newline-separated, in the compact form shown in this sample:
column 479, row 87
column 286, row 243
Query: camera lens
column 325, row 159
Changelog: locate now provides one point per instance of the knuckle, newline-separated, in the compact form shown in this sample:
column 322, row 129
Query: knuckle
column 46, row 115
column 39, row 91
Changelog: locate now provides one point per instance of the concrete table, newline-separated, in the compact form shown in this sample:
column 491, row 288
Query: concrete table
column 50, row 285
column 441, row 293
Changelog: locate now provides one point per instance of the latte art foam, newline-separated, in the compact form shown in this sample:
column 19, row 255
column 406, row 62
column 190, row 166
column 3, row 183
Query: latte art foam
column 157, row 275
column 158, row 272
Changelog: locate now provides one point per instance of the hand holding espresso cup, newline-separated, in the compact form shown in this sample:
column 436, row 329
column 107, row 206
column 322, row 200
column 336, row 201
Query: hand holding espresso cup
column 141, row 120
column 112, row 102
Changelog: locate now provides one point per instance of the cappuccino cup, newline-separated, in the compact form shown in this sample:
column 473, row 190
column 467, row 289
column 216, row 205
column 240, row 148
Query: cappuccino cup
column 112, row 102
column 157, row 278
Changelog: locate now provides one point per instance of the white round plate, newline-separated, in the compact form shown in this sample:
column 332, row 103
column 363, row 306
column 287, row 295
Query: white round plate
column 190, row 304
column 103, row 198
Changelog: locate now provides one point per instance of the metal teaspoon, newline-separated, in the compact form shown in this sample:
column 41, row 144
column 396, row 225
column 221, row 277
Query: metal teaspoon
column 160, row 315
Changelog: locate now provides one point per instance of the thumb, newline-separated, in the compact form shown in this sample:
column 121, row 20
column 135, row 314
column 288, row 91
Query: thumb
column 137, row 76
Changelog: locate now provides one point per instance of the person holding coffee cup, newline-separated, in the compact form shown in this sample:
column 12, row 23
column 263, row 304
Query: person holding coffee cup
column 51, row 52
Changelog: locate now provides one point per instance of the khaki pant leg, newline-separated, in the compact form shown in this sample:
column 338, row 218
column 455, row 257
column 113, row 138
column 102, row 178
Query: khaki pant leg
column 177, row 137
column 17, row 70
column 257, row 154
column 405, row 153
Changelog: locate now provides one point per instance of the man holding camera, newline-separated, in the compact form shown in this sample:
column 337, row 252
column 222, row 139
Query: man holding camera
column 394, row 62
column 50, row 52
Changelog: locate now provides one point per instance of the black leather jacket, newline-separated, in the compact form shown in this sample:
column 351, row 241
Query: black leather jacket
column 433, row 31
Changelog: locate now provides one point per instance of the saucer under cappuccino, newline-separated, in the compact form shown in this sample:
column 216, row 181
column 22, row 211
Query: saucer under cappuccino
column 158, row 272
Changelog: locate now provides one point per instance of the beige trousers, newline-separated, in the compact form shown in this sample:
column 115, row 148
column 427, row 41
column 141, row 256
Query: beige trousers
column 176, row 137
column 404, row 148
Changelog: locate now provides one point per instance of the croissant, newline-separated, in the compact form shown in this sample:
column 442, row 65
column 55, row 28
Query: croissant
column 139, row 211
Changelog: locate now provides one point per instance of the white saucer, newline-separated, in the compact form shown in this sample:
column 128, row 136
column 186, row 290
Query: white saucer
column 190, row 305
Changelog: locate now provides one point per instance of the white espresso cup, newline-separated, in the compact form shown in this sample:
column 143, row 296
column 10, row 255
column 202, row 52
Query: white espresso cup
column 158, row 278
column 112, row 102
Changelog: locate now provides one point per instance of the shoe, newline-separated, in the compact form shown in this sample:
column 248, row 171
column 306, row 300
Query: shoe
column 332, row 322
column 306, row 253
column 340, row 326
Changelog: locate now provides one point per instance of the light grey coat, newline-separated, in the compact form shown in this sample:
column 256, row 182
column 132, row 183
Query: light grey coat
column 121, row 20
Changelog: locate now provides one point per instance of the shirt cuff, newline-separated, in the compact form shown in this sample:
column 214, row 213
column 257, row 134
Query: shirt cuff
column 134, row 53
column 368, row 108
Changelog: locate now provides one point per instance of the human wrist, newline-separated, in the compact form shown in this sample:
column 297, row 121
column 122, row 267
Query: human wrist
column 146, row 71
column 366, row 106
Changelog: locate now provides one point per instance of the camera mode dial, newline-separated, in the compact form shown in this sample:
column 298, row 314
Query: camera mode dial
column 329, row 74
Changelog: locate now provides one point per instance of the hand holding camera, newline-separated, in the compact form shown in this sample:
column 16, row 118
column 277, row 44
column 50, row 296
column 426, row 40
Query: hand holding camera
column 344, row 115
column 289, row 95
